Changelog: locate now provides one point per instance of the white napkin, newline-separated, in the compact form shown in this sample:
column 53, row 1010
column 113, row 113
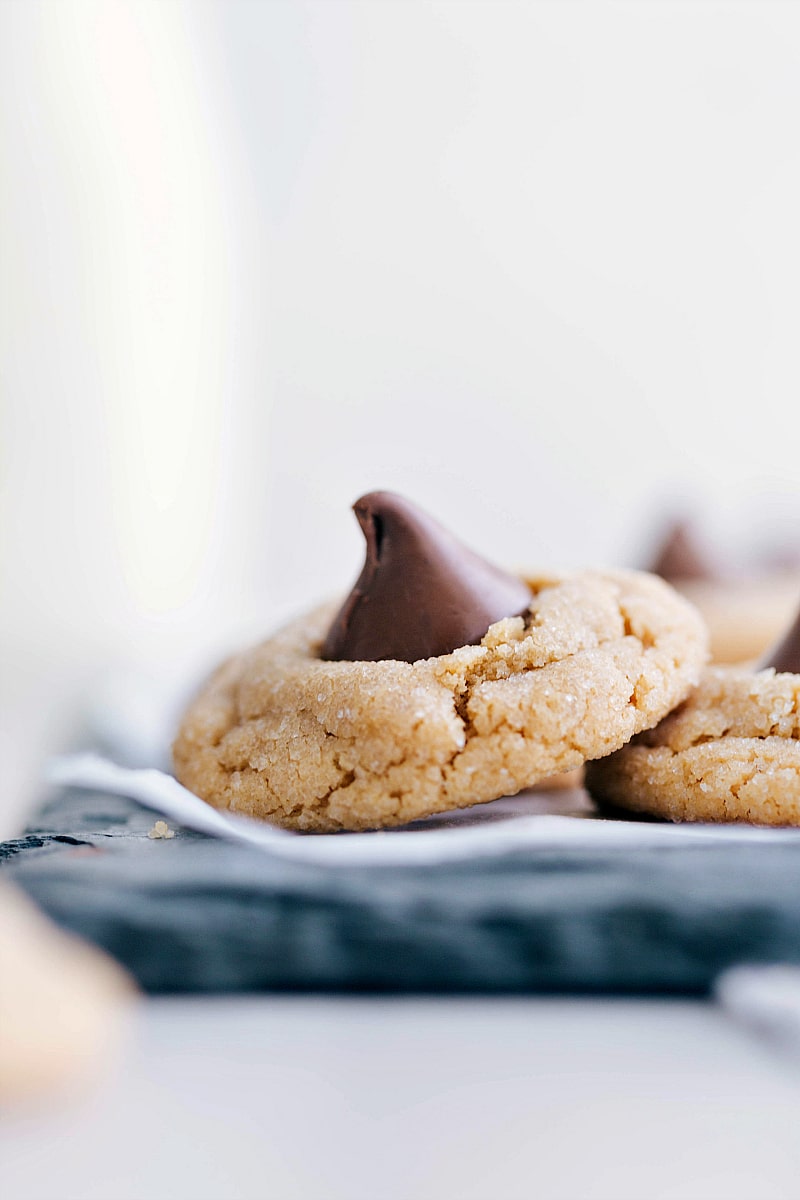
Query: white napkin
column 489, row 829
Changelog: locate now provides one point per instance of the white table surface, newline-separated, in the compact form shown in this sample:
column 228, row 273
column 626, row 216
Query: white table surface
column 390, row 1099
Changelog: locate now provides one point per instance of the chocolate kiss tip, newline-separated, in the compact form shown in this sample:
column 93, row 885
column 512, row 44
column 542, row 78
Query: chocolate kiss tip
column 680, row 556
column 421, row 593
column 785, row 657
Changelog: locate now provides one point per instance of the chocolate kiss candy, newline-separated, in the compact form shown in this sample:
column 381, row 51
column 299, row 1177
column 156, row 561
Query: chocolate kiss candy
column 786, row 655
column 420, row 593
column 680, row 557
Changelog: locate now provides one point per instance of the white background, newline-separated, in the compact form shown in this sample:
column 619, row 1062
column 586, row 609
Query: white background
column 400, row 1099
column 536, row 265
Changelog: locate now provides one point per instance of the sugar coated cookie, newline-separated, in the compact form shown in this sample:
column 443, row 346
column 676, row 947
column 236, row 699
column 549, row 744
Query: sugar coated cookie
column 283, row 733
column 731, row 752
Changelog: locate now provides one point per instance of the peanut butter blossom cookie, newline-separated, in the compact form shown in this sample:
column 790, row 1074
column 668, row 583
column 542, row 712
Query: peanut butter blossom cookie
column 731, row 752
column 745, row 609
column 441, row 682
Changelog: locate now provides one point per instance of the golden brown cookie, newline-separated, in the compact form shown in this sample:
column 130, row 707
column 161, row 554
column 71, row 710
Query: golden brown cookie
column 744, row 612
column 744, row 616
column 281, row 734
column 731, row 752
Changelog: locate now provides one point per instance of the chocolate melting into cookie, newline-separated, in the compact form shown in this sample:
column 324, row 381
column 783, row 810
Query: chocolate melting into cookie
column 785, row 657
column 420, row 593
column 681, row 557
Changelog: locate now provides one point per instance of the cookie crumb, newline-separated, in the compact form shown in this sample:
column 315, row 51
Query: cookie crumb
column 161, row 830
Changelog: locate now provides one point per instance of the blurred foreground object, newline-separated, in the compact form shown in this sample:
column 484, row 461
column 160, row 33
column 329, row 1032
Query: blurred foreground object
column 745, row 614
column 766, row 999
column 62, row 1003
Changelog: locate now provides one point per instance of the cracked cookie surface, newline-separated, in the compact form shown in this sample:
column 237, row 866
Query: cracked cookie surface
column 731, row 752
column 279, row 733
